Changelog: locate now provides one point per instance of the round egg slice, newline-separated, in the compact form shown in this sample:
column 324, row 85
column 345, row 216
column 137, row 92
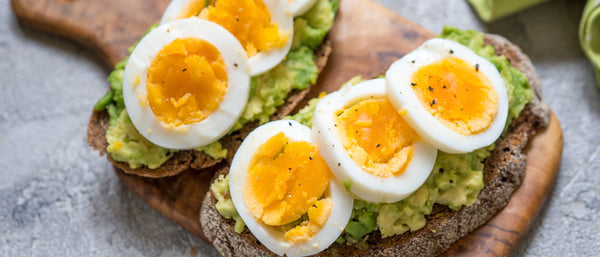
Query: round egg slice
column 299, row 7
column 368, row 145
column 186, row 84
column 454, row 98
column 264, row 27
column 284, row 191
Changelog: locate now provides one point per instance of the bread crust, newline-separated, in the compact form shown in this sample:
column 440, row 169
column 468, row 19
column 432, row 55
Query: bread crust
column 503, row 173
column 186, row 159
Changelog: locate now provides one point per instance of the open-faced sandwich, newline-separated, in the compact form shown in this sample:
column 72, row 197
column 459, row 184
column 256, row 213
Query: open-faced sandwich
column 402, row 165
column 197, row 83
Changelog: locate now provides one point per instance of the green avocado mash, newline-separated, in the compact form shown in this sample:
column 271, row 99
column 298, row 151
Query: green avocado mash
column 456, row 179
column 224, row 205
column 267, row 92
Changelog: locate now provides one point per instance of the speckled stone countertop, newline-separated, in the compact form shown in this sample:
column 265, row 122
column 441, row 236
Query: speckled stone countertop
column 58, row 198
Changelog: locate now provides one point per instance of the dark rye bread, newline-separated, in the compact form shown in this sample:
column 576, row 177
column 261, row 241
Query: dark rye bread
column 186, row 159
column 504, row 170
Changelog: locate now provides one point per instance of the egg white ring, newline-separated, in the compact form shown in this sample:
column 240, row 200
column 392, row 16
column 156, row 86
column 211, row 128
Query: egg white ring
column 173, row 10
column 271, row 238
column 263, row 61
column 280, row 14
column 365, row 185
column 299, row 7
column 402, row 96
column 218, row 123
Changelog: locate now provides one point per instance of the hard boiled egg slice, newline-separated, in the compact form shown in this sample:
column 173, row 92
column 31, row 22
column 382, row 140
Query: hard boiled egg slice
column 299, row 7
column 264, row 27
column 186, row 84
column 455, row 99
column 284, row 192
column 368, row 145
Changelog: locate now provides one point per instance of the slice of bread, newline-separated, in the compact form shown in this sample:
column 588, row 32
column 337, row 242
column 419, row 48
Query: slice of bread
column 504, row 170
column 191, row 159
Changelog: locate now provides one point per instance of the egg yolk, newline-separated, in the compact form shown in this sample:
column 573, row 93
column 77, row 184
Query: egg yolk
column 186, row 82
column 457, row 94
column 376, row 137
column 285, row 181
column 317, row 217
column 249, row 21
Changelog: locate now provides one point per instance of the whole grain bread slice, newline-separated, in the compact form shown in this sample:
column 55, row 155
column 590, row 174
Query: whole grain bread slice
column 504, row 170
column 186, row 159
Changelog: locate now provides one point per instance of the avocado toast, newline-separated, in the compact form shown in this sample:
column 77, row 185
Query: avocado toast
column 502, row 174
column 273, row 95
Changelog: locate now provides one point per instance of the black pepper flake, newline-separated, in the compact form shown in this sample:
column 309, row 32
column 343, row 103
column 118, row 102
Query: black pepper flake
column 310, row 157
column 290, row 168
column 335, row 125
column 378, row 145
column 163, row 82
column 339, row 164
column 441, row 170
column 413, row 61
column 506, row 149
column 235, row 65
column 413, row 84
column 433, row 102
column 477, row 67
column 355, row 110
column 444, row 87
column 451, row 181
column 430, row 89
column 290, row 123
column 237, row 19
column 451, row 51
column 184, row 69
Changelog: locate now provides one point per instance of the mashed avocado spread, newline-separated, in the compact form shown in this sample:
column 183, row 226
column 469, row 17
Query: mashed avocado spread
column 267, row 92
column 455, row 181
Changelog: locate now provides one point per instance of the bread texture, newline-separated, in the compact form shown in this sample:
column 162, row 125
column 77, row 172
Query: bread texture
column 191, row 159
column 503, row 173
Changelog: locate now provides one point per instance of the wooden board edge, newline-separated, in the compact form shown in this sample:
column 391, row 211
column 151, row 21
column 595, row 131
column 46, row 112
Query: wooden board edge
column 162, row 205
column 62, row 28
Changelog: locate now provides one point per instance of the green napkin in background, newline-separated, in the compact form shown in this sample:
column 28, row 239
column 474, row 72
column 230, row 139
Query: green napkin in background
column 589, row 34
column 490, row 10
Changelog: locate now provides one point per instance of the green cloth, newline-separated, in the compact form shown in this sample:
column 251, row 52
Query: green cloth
column 589, row 34
column 490, row 10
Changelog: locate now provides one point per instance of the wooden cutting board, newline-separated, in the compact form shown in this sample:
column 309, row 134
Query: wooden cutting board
column 366, row 39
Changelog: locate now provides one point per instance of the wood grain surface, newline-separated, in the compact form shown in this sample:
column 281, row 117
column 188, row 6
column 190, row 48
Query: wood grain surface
column 366, row 39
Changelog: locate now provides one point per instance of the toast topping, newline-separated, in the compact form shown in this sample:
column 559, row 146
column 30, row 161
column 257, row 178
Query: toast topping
column 455, row 99
column 457, row 94
column 250, row 22
column 283, row 190
column 376, row 137
column 186, row 81
column 285, row 179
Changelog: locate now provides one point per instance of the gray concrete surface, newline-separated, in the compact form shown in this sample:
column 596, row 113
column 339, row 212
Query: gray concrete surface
column 58, row 198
